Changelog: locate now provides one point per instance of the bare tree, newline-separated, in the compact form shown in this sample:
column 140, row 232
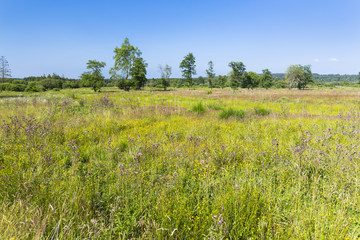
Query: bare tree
column 4, row 69
column 165, row 75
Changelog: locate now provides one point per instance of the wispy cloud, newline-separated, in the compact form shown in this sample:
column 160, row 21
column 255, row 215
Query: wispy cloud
column 316, row 60
column 333, row 59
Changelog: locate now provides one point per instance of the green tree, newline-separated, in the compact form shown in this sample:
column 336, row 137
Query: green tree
column 188, row 68
column 210, row 74
column 250, row 80
column 298, row 76
column 138, row 73
column 279, row 83
column 266, row 79
column 200, row 80
column 165, row 75
column 125, row 84
column 124, row 60
column 94, row 77
column 359, row 77
column 221, row 81
column 307, row 77
column 4, row 69
column 238, row 71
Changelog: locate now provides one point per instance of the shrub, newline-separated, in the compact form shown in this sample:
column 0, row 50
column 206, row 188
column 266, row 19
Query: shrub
column 261, row 111
column 12, row 87
column 230, row 112
column 209, row 92
column 3, row 86
column 34, row 87
column 198, row 108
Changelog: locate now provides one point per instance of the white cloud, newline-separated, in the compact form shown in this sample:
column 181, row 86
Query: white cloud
column 317, row 60
column 333, row 59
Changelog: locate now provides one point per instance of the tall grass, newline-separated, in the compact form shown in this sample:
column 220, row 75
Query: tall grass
column 198, row 108
column 136, row 165
column 230, row 112
column 261, row 111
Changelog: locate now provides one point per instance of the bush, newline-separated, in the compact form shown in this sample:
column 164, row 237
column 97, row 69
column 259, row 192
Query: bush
column 12, row 87
column 261, row 111
column 125, row 84
column 209, row 92
column 34, row 87
column 230, row 112
column 198, row 108
column 3, row 86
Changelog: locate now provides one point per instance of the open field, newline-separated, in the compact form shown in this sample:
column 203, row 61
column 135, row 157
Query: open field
column 184, row 164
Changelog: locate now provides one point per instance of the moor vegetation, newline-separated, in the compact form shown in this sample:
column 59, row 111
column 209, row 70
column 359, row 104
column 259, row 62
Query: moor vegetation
column 248, row 164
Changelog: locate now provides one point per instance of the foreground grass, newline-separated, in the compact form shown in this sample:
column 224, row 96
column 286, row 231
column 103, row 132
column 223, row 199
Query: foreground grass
column 78, row 165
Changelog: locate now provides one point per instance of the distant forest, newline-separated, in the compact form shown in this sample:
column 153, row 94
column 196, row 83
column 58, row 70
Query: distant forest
column 56, row 82
column 322, row 78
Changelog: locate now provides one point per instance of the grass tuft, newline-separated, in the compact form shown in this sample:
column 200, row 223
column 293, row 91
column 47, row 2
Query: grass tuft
column 230, row 112
column 261, row 111
column 198, row 108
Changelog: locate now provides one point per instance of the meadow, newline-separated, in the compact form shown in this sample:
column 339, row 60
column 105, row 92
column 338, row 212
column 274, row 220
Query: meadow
column 180, row 164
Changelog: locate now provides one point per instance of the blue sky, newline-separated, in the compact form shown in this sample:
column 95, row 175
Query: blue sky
column 40, row 37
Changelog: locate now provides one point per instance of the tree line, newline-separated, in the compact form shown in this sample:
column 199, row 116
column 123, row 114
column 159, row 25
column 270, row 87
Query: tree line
column 130, row 69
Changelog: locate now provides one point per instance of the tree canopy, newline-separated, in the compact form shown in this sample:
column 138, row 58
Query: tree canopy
column 165, row 75
column 266, row 80
column 298, row 76
column 188, row 68
column 138, row 73
column 124, row 60
column 94, row 77
column 210, row 74
column 238, row 70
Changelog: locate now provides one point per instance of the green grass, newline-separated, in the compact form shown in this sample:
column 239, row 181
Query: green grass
column 198, row 108
column 261, row 111
column 139, row 165
column 230, row 112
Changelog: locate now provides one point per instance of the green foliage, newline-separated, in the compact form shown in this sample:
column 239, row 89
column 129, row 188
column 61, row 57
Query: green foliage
column 200, row 81
column 198, row 108
column 93, row 78
column 266, row 80
column 283, row 99
column 34, row 87
column 124, row 60
column 299, row 76
column 250, row 80
column 187, row 66
column 139, row 165
column 261, row 111
column 210, row 74
column 236, row 76
column 230, row 112
column 279, row 83
column 221, row 81
column 165, row 75
column 12, row 87
column 209, row 92
column 50, row 83
column 138, row 73
column 125, row 84
column 214, row 106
